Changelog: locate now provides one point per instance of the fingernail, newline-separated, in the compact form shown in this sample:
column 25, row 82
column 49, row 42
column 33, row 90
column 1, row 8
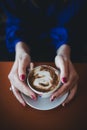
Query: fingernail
column 53, row 99
column 33, row 97
column 64, row 79
column 22, row 77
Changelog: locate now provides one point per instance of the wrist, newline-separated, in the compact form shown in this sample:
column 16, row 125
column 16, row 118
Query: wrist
column 64, row 51
column 21, row 49
column 21, row 46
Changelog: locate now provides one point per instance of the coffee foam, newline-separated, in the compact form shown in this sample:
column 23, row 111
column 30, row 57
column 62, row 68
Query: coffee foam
column 43, row 78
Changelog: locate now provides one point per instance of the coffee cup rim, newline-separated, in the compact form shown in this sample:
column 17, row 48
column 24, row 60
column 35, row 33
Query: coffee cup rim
column 39, row 92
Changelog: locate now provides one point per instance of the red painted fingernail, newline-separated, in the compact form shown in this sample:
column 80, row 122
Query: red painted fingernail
column 33, row 97
column 53, row 99
column 22, row 77
column 64, row 79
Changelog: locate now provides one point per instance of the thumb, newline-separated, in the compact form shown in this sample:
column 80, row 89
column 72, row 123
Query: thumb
column 62, row 64
column 23, row 65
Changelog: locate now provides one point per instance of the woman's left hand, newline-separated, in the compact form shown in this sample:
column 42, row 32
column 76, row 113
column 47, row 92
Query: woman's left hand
column 68, row 77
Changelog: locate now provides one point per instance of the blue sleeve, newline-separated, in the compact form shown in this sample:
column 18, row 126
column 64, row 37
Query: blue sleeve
column 60, row 34
column 15, row 30
column 14, row 33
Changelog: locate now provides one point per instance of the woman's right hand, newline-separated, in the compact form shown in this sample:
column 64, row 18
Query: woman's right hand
column 17, row 75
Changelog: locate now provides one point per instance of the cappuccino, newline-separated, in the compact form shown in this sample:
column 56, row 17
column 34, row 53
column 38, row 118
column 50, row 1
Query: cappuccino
column 43, row 79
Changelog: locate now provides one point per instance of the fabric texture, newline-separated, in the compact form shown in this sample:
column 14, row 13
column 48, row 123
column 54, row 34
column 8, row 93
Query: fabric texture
column 47, row 24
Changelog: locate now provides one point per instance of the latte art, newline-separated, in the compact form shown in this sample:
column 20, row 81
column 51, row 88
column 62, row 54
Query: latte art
column 43, row 78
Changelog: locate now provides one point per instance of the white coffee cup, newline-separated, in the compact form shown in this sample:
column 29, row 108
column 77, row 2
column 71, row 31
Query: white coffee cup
column 44, row 80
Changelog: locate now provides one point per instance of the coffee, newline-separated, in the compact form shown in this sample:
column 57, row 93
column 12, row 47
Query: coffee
column 43, row 79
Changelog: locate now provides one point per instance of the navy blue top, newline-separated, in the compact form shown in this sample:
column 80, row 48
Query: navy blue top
column 27, row 22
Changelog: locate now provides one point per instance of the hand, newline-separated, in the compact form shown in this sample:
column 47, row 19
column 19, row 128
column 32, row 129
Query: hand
column 68, row 77
column 17, row 76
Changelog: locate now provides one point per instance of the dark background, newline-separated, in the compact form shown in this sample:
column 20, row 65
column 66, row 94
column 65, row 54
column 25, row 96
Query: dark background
column 4, row 54
column 78, row 46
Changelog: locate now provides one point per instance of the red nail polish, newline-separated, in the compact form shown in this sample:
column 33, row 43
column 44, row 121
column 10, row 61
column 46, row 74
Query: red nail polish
column 64, row 80
column 53, row 99
column 22, row 77
column 33, row 97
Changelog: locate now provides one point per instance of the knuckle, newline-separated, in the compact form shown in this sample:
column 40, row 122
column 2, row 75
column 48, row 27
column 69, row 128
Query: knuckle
column 75, row 76
column 9, row 76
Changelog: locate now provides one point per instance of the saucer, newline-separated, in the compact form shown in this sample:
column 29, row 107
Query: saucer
column 44, row 103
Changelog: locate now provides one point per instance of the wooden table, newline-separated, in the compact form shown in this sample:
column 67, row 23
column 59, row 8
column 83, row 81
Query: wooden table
column 13, row 116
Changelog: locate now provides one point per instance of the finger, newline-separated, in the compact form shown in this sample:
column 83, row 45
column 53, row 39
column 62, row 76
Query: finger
column 62, row 64
column 22, row 67
column 18, row 96
column 31, row 66
column 58, row 93
column 22, row 87
column 72, row 80
column 74, row 73
column 64, row 88
column 71, row 95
